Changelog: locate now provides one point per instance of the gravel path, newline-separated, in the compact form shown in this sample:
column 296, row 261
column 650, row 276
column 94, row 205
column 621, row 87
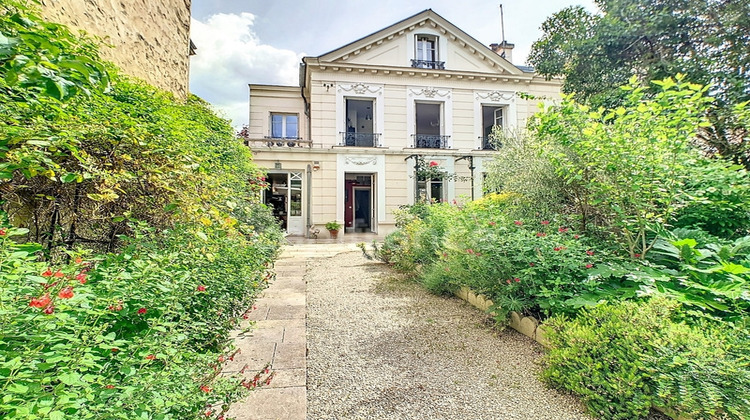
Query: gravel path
column 383, row 348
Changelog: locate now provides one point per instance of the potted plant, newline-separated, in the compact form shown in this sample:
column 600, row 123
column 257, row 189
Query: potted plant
column 333, row 228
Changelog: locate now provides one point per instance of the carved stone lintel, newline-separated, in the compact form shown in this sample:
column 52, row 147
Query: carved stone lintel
column 497, row 96
column 361, row 161
column 360, row 88
column 430, row 92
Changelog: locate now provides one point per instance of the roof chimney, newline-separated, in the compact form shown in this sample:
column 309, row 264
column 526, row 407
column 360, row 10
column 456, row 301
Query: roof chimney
column 505, row 49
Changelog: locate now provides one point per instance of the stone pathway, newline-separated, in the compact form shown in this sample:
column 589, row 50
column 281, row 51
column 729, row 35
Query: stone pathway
column 278, row 338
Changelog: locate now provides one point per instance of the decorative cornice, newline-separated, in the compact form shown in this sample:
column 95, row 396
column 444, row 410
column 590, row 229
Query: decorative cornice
column 497, row 96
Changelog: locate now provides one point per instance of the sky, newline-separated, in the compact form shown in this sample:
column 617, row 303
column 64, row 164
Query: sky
column 263, row 41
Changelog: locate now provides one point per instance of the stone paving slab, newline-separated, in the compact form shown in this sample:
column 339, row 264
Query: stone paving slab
column 275, row 333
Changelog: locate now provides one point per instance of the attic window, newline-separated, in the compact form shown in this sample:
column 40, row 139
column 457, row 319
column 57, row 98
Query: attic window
column 426, row 54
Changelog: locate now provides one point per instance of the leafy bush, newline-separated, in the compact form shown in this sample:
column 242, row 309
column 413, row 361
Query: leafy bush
column 139, row 333
column 623, row 358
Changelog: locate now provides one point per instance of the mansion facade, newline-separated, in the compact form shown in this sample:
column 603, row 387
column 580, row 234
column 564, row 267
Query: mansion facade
column 347, row 143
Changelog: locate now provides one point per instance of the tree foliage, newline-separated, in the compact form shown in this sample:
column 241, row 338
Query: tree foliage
column 652, row 39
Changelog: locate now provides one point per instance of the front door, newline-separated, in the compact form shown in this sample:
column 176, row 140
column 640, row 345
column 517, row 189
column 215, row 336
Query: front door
column 284, row 196
column 359, row 210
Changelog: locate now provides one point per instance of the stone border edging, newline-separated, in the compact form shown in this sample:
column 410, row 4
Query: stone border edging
column 526, row 325
column 530, row 327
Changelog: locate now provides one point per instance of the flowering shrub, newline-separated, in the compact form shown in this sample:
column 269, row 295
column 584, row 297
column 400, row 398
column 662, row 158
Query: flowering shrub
column 140, row 333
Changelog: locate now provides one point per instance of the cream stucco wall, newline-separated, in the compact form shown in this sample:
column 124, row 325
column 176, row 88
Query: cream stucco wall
column 149, row 39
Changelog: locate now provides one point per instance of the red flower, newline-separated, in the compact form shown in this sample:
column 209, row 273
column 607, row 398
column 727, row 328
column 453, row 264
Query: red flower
column 507, row 281
column 558, row 248
column 66, row 293
column 576, row 236
column 206, row 389
column 115, row 349
column 49, row 309
column 545, row 222
column 531, row 264
column 563, row 230
column 40, row 302
column 590, row 252
column 150, row 357
column 637, row 255
column 208, row 413
column 47, row 273
column 3, row 231
column 433, row 163
column 518, row 222
column 492, row 223
column 201, row 288
column 246, row 316
column 589, row 265
column 470, row 251
column 81, row 277
column 141, row 311
column 109, row 386
column 541, row 234
column 516, row 279
column 59, row 274
column 117, row 307
column 221, row 358
column 78, row 260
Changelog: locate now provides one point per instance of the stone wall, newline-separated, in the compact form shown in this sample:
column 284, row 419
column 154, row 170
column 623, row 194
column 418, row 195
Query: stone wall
column 150, row 38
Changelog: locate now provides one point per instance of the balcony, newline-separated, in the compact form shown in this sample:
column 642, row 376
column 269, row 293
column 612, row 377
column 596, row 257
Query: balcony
column 426, row 64
column 279, row 142
column 430, row 141
column 490, row 143
column 360, row 139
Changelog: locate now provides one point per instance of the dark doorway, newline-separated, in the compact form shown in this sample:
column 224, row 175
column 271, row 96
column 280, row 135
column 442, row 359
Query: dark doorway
column 362, row 209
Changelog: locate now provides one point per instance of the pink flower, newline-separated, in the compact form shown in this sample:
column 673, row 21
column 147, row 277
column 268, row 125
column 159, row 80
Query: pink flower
column 470, row 251
column 516, row 279
column 545, row 222
column 507, row 281
column 541, row 234
column 433, row 163
column 3, row 231
column 518, row 222
column 637, row 255
column 563, row 230
column 558, row 248
column 576, row 236
column 78, row 260
column 589, row 265
column 492, row 223
column 59, row 274
column 206, row 389
column 590, row 252
column 66, row 293
column 531, row 264
column 47, row 273
column 150, row 357
column 49, row 309
column 201, row 288
column 109, row 386
column 142, row 311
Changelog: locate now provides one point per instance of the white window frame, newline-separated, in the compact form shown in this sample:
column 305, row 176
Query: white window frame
column 500, row 99
column 284, row 116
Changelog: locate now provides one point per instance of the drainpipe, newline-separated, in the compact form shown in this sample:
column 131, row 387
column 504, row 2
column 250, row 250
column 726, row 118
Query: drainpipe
column 309, row 200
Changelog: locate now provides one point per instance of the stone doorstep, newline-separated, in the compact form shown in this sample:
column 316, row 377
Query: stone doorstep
column 272, row 403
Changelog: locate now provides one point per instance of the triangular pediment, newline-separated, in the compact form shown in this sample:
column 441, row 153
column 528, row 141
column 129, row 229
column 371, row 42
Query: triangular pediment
column 394, row 46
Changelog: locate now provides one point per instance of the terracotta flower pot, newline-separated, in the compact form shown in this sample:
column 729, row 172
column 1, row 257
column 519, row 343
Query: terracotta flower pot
column 334, row 234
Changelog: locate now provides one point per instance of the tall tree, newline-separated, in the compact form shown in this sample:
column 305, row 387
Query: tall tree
column 707, row 40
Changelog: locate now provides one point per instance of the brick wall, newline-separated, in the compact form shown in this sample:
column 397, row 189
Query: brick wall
column 150, row 38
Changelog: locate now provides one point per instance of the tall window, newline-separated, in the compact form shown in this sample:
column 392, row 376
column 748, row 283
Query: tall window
column 426, row 55
column 428, row 126
column 492, row 116
column 284, row 126
column 359, row 123
column 431, row 190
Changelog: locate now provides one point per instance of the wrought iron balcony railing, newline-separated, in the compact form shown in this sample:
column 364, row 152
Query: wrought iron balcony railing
column 490, row 143
column 360, row 139
column 427, row 64
column 430, row 141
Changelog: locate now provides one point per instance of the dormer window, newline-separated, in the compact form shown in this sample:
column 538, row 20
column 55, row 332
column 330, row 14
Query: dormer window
column 426, row 54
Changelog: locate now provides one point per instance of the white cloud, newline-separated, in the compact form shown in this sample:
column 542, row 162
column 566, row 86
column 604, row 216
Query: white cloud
column 229, row 56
